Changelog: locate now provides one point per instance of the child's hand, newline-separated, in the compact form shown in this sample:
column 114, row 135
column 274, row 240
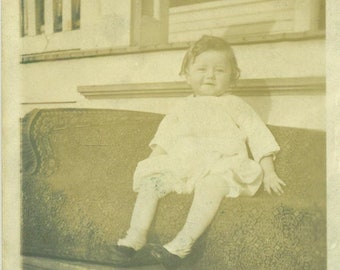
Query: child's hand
column 272, row 182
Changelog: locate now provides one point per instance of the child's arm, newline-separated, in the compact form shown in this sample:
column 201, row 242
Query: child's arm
column 270, row 179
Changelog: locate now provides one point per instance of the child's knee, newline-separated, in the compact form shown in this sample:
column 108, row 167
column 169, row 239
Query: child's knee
column 153, row 185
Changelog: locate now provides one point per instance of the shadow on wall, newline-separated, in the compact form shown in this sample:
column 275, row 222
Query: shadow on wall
column 261, row 104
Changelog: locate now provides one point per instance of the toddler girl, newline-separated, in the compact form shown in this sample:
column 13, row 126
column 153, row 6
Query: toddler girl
column 200, row 147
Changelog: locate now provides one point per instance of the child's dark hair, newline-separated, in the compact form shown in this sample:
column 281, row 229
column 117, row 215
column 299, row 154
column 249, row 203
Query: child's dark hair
column 210, row 43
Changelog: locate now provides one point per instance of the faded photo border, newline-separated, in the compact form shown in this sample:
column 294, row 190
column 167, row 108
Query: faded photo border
column 11, row 193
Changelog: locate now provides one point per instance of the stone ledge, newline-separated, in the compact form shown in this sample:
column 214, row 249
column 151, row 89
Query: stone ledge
column 245, row 87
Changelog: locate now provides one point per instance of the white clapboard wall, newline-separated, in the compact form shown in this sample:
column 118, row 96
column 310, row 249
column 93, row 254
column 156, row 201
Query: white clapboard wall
column 231, row 18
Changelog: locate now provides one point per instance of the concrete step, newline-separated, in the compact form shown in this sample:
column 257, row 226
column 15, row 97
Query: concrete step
column 40, row 263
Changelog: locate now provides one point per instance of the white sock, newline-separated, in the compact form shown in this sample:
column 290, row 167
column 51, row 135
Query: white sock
column 208, row 196
column 135, row 239
column 180, row 246
column 142, row 216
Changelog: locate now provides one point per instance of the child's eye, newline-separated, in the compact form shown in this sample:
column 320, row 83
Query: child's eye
column 220, row 69
column 201, row 69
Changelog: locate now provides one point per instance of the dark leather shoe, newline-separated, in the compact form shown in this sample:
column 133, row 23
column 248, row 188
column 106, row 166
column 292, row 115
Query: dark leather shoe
column 166, row 258
column 127, row 251
column 153, row 254
column 121, row 256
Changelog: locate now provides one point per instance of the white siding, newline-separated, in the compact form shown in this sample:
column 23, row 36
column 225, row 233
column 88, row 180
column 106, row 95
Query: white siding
column 231, row 18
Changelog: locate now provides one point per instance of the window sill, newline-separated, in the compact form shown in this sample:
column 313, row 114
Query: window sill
column 76, row 54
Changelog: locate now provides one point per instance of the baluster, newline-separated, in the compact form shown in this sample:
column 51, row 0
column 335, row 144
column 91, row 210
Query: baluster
column 67, row 15
column 49, row 17
column 31, row 18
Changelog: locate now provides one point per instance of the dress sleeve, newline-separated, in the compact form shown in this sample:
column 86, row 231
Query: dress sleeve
column 259, row 138
column 165, row 134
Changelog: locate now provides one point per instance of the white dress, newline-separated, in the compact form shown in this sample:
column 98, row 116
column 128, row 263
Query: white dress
column 208, row 136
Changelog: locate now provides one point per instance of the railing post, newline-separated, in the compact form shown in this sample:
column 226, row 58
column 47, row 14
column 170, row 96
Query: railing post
column 49, row 17
column 31, row 14
column 24, row 18
column 67, row 15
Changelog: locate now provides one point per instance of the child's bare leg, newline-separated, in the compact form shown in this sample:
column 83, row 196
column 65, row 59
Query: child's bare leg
column 209, row 193
column 143, row 213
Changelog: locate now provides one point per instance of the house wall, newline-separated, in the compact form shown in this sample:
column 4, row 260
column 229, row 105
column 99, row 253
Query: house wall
column 231, row 17
column 54, row 84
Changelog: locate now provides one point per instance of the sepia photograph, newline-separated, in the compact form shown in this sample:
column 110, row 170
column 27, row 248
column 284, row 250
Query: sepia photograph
column 169, row 134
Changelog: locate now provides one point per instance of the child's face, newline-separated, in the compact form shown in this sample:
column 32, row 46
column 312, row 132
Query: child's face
column 209, row 74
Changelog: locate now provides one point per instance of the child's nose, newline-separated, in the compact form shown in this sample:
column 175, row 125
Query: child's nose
column 210, row 73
